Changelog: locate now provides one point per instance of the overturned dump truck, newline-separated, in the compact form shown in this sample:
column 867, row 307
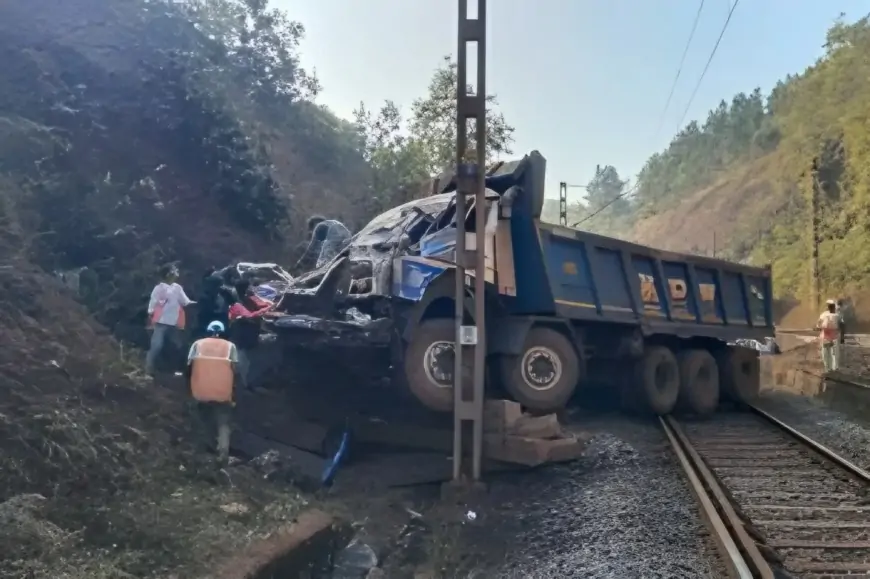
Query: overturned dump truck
column 565, row 308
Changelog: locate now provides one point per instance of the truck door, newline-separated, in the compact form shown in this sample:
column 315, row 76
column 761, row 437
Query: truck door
column 440, row 242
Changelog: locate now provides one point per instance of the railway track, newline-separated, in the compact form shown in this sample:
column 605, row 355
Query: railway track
column 777, row 503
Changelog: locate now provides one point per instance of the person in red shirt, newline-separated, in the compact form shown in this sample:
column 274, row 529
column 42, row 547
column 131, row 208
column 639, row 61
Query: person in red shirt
column 244, row 317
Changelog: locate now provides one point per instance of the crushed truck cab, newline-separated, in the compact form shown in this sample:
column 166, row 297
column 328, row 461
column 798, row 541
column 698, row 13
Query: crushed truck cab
column 564, row 307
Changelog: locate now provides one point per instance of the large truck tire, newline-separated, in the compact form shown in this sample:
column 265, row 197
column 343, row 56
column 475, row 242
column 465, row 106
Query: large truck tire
column 659, row 380
column 699, row 382
column 740, row 374
column 630, row 399
column 544, row 375
column 428, row 364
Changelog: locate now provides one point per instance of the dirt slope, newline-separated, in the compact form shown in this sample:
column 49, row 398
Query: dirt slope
column 112, row 158
column 738, row 209
column 95, row 473
column 122, row 154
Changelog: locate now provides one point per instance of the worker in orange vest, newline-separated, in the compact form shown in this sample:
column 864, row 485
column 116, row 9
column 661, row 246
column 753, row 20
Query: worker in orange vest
column 211, row 372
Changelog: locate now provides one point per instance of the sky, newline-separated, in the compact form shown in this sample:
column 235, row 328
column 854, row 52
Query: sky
column 583, row 81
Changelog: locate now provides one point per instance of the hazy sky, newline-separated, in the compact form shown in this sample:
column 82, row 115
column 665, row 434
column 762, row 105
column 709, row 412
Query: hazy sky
column 583, row 81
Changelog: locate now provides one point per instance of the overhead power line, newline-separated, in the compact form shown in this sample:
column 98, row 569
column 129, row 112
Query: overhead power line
column 606, row 205
column 679, row 69
column 707, row 66
column 685, row 112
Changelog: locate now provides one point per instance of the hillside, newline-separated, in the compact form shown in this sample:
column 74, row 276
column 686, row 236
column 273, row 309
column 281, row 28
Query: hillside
column 746, row 176
column 134, row 134
column 130, row 139
column 127, row 143
column 726, row 219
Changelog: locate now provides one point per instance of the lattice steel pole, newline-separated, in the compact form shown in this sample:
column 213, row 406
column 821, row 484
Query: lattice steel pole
column 563, row 201
column 470, row 179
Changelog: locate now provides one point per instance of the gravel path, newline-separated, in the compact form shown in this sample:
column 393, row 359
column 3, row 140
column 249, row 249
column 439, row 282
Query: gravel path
column 847, row 434
column 625, row 511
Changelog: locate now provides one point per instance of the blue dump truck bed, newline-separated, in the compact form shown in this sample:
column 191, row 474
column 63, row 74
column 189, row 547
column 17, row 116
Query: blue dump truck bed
column 577, row 275
column 593, row 277
column 566, row 307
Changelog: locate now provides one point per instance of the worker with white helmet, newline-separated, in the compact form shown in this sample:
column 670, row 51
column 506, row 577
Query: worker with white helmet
column 829, row 326
column 211, row 372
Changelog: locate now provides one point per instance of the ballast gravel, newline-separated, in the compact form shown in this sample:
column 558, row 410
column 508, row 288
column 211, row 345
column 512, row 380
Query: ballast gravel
column 625, row 511
column 846, row 433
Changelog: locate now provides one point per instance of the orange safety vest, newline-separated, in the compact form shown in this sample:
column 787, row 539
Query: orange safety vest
column 211, row 373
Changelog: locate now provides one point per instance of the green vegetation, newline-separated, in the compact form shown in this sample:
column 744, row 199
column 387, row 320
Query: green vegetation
column 404, row 155
column 753, row 158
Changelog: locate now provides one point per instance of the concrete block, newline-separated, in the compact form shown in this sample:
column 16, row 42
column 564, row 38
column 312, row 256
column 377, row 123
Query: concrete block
column 500, row 415
column 533, row 451
column 542, row 427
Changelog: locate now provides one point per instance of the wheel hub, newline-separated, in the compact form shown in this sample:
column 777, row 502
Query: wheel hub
column 542, row 368
column 438, row 363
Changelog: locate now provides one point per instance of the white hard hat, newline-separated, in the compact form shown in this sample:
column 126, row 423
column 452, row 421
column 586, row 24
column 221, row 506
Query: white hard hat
column 215, row 326
column 831, row 303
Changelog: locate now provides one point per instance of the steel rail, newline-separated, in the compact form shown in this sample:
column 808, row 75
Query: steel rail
column 739, row 552
column 850, row 467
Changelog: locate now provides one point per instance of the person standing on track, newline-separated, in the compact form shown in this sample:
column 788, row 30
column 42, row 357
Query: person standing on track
column 211, row 373
column 829, row 326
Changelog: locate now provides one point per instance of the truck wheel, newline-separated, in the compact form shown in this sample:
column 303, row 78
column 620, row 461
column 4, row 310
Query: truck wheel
column 659, row 378
column 699, row 382
column 544, row 376
column 429, row 360
column 740, row 374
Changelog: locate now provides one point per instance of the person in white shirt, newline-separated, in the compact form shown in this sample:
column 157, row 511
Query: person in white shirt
column 830, row 326
column 166, row 316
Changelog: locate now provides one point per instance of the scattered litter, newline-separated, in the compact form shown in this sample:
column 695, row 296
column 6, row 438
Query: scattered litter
column 471, row 516
column 414, row 514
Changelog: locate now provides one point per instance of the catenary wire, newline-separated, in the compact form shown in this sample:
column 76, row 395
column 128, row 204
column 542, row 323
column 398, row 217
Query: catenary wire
column 682, row 118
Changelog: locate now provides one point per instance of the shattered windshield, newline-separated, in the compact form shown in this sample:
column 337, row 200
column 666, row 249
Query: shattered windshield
column 389, row 220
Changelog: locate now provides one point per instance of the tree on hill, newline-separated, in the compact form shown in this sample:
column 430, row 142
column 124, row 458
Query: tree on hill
column 433, row 122
column 819, row 118
column 607, row 208
column 402, row 154
column 398, row 162
column 145, row 132
column 699, row 153
column 605, row 193
column 260, row 45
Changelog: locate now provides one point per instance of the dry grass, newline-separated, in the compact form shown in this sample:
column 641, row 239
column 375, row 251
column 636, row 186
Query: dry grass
column 98, row 478
column 738, row 208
